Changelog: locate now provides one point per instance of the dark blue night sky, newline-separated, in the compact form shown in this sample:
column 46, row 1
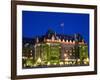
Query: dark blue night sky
column 37, row 23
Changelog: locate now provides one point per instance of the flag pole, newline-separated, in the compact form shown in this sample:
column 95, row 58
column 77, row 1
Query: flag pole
column 62, row 25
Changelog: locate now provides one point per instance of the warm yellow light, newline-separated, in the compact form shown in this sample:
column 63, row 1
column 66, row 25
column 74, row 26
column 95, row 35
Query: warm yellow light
column 48, row 40
column 74, row 62
column 31, row 57
column 70, row 41
column 66, row 59
column 39, row 60
column 59, row 40
column 70, row 62
column 66, row 62
column 87, row 60
column 35, row 65
column 73, row 41
column 63, row 40
column 78, row 60
column 61, row 63
column 48, row 44
column 55, row 63
column 65, row 55
column 48, row 63
column 70, row 54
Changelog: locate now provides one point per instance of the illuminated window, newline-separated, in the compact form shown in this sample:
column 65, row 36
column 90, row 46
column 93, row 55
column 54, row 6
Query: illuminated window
column 73, row 50
column 66, row 50
column 70, row 50
column 65, row 55
column 70, row 54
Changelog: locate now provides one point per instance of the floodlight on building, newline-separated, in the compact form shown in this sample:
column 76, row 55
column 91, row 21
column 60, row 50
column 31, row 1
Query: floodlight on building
column 74, row 62
column 53, row 38
column 78, row 60
column 48, row 63
column 65, row 55
column 38, row 44
column 39, row 60
column 31, row 51
column 73, row 42
column 70, row 41
column 70, row 62
column 35, row 65
column 59, row 40
column 70, row 54
column 31, row 58
column 85, row 62
column 66, row 59
column 55, row 63
column 87, row 59
column 31, row 54
column 24, row 57
column 47, row 40
column 66, row 62
column 48, row 44
column 67, row 41
column 61, row 63
column 63, row 40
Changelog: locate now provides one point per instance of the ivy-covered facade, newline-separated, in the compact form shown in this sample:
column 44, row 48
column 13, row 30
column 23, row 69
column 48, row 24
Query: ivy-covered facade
column 56, row 50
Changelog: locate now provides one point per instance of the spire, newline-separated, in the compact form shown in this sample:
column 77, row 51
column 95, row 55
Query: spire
column 37, row 40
